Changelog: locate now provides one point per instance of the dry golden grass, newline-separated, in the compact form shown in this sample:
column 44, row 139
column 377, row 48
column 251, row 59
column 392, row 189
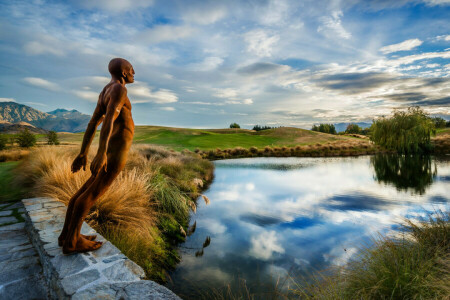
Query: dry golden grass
column 126, row 204
column 146, row 196
column 344, row 147
column 13, row 154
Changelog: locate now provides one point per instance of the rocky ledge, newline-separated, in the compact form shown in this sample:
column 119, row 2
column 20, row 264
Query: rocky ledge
column 102, row 274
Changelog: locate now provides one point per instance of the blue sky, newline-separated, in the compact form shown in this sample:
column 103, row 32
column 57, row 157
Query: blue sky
column 206, row 64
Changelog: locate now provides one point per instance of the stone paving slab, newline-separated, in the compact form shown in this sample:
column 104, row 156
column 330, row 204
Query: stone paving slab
column 21, row 275
column 102, row 274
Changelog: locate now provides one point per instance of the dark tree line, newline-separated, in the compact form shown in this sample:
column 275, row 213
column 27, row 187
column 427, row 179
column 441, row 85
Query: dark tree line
column 325, row 128
column 260, row 127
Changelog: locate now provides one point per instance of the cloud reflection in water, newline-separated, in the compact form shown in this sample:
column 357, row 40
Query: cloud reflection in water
column 270, row 216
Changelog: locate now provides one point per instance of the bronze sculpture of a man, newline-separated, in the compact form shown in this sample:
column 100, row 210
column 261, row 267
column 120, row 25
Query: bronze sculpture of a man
column 114, row 110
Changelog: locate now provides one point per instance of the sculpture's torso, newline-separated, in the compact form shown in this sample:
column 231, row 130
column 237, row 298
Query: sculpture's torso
column 123, row 124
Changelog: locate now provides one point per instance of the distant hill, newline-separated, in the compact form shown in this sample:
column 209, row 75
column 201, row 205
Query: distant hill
column 13, row 128
column 342, row 126
column 57, row 120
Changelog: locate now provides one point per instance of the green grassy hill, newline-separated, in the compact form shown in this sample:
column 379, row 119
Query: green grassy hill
column 206, row 139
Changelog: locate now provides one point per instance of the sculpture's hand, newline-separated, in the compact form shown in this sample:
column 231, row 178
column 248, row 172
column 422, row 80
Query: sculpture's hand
column 98, row 163
column 79, row 162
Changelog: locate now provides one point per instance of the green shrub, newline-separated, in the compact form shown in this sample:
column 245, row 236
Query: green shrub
column 234, row 125
column 405, row 131
column 353, row 128
column 52, row 138
column 439, row 122
column 26, row 139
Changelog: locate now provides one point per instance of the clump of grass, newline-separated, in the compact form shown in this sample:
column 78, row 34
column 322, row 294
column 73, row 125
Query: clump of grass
column 415, row 265
column 13, row 154
column 144, row 208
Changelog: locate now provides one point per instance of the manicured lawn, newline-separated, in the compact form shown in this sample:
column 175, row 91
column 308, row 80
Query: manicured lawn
column 207, row 139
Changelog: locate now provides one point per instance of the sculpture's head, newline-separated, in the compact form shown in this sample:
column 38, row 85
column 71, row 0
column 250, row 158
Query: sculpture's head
column 121, row 69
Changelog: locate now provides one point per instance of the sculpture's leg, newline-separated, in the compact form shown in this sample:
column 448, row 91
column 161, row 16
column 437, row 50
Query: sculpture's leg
column 74, row 242
column 116, row 161
column 69, row 212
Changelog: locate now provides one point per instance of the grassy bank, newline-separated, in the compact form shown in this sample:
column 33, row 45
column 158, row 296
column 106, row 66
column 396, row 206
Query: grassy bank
column 145, row 213
column 415, row 265
column 8, row 190
column 336, row 148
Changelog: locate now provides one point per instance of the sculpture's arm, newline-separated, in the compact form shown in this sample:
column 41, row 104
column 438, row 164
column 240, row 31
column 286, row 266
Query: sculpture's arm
column 96, row 120
column 81, row 160
column 117, row 97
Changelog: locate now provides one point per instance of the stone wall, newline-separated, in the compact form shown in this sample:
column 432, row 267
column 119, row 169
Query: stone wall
column 105, row 273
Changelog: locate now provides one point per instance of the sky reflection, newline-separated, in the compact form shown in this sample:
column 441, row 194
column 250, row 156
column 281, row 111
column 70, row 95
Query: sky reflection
column 273, row 216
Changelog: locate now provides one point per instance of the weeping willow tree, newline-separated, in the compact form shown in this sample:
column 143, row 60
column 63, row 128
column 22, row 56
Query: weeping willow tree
column 406, row 131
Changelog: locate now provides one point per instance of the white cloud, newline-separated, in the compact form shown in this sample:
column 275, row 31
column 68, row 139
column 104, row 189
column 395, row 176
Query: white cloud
column 36, row 103
column 208, row 64
column 403, row 46
column 405, row 60
column 260, row 42
column 116, row 5
column 226, row 93
column 42, row 83
column 443, row 37
column 264, row 245
column 275, row 13
column 45, row 44
column 7, row 100
column 332, row 25
column 144, row 94
column 167, row 108
column 247, row 101
column 87, row 95
column 165, row 33
column 437, row 2
column 204, row 15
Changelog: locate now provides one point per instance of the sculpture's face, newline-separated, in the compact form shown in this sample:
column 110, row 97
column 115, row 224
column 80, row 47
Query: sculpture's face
column 129, row 75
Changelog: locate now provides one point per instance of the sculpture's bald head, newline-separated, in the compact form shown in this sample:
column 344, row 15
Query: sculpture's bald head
column 121, row 68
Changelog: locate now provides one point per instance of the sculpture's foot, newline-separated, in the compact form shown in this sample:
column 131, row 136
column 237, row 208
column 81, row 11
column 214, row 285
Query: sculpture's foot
column 82, row 245
column 87, row 237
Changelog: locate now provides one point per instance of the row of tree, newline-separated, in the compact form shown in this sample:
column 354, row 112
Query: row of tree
column 405, row 131
column 329, row 128
column 26, row 139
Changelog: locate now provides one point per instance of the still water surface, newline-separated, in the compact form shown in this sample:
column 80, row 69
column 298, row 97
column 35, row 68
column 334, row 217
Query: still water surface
column 269, row 217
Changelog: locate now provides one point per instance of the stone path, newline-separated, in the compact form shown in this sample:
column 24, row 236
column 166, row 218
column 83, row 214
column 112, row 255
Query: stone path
column 20, row 270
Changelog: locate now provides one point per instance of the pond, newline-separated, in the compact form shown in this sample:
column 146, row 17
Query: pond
column 272, row 217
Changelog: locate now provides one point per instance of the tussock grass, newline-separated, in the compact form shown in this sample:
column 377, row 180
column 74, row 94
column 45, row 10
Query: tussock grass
column 348, row 147
column 415, row 265
column 145, row 208
column 13, row 154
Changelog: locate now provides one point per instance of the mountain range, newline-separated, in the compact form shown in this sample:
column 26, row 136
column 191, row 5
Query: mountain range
column 15, row 116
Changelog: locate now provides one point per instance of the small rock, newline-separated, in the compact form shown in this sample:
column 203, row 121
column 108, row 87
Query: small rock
column 148, row 290
column 34, row 207
column 114, row 258
column 4, row 213
column 107, row 249
column 13, row 227
column 74, row 282
column 5, row 220
column 69, row 264
column 120, row 272
column 100, row 291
